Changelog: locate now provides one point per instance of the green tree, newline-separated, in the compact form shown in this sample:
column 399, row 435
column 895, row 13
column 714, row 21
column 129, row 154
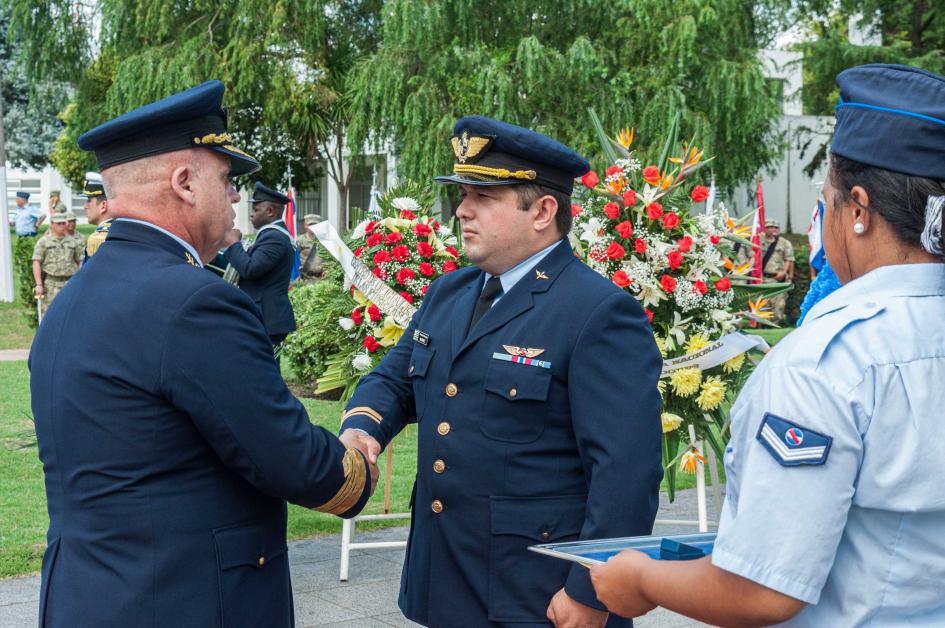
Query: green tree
column 542, row 65
column 913, row 33
column 282, row 62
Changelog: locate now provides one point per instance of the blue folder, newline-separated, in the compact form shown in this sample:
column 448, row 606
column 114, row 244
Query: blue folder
column 590, row 553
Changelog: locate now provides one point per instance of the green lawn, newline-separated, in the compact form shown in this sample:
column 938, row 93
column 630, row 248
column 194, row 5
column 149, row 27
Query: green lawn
column 14, row 332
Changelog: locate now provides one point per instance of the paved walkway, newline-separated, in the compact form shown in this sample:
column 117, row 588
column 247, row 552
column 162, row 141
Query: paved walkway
column 14, row 355
column 367, row 600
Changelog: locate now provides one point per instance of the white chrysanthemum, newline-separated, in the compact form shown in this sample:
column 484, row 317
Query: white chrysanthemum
column 358, row 232
column 346, row 323
column 361, row 362
column 405, row 203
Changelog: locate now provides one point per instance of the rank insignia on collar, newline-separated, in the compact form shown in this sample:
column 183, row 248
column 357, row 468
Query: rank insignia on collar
column 525, row 352
column 540, row 275
column 190, row 259
column 421, row 337
column 792, row 445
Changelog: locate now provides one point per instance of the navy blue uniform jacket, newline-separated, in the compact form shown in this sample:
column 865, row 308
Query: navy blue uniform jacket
column 265, row 271
column 510, row 454
column 170, row 445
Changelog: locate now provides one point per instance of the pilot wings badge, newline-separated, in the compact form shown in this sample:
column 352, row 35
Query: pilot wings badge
column 525, row 352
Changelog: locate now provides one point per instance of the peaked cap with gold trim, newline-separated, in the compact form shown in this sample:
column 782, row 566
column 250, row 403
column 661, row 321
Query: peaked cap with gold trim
column 193, row 118
column 491, row 152
column 93, row 185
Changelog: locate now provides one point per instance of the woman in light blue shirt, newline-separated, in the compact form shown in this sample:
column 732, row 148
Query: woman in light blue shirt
column 835, row 511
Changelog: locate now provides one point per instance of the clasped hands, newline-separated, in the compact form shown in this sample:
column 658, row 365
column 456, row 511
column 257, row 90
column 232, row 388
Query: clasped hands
column 368, row 446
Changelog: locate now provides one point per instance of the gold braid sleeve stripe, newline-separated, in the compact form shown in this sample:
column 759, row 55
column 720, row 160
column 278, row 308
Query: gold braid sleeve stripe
column 499, row 173
column 350, row 492
column 371, row 413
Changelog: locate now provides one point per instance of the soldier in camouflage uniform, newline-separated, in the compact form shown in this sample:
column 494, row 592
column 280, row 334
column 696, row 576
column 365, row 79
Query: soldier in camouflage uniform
column 56, row 206
column 55, row 260
column 778, row 260
column 77, row 238
column 308, row 250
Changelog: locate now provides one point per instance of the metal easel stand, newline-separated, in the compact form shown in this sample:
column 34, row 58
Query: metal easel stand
column 348, row 526
column 702, row 521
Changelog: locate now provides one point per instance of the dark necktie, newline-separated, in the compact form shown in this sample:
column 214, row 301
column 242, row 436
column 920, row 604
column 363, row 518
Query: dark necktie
column 490, row 292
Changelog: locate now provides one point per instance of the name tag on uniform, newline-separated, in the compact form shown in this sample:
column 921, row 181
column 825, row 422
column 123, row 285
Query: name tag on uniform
column 520, row 359
column 421, row 337
column 792, row 445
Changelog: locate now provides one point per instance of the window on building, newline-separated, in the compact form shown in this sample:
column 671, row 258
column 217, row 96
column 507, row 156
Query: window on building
column 23, row 185
column 362, row 179
column 308, row 202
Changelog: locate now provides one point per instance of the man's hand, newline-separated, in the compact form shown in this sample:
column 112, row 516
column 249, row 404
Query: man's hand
column 780, row 276
column 232, row 237
column 618, row 584
column 368, row 446
column 565, row 612
column 38, row 290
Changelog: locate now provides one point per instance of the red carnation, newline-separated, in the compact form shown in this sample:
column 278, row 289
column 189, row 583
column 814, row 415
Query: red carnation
column 452, row 251
column 409, row 215
column 649, row 315
column 654, row 211
column 423, row 290
column 667, row 283
column 422, row 230
column 576, row 209
column 714, row 239
column 375, row 238
column 400, row 253
column 404, row 275
column 612, row 170
column 426, row 269
column 629, row 198
column 381, row 257
column 590, row 179
column 699, row 193
column 356, row 316
column 620, row 278
column 625, row 229
column 615, row 251
column 371, row 226
column 684, row 244
column 435, row 225
column 700, row 287
column 380, row 273
column 723, row 284
column 639, row 246
column 424, row 249
column 374, row 313
column 371, row 344
column 651, row 174
column 393, row 238
column 612, row 210
column 407, row 297
column 675, row 259
column 449, row 267
column 670, row 220
column 358, row 251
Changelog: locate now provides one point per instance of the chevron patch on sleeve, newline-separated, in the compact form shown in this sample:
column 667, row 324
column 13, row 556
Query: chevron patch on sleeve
column 792, row 445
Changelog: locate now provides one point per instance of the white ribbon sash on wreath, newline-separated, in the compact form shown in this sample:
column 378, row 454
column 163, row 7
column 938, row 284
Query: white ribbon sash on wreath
column 722, row 350
column 383, row 296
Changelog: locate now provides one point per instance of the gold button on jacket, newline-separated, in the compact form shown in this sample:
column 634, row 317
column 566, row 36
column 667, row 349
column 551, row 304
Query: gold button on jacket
column 443, row 428
column 439, row 466
column 437, row 506
column 451, row 390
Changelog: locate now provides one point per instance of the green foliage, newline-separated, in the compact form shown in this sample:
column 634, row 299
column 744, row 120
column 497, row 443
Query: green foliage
column 23, row 263
column 635, row 61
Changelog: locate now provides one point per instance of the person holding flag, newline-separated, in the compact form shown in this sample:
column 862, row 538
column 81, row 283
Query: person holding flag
column 265, row 269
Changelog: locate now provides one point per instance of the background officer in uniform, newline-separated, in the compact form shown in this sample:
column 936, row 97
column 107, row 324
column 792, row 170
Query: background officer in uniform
column 835, row 510
column 55, row 260
column 56, row 206
column 311, row 268
column 96, row 209
column 777, row 260
column 533, row 380
column 78, row 240
column 169, row 460
column 265, row 269
column 28, row 218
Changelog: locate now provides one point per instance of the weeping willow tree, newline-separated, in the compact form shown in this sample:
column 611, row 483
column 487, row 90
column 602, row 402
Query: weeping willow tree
column 284, row 63
column 542, row 65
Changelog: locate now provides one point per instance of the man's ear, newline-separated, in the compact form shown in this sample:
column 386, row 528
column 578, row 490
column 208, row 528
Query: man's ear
column 183, row 184
column 547, row 210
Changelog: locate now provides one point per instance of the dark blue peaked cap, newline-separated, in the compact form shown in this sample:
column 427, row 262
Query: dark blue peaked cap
column 24, row 195
column 263, row 193
column 490, row 152
column 194, row 118
column 892, row 117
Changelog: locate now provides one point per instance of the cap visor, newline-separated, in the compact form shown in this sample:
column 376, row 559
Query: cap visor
column 240, row 162
column 456, row 179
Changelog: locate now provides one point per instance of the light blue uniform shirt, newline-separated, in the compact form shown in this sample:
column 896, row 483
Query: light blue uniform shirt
column 512, row 276
column 26, row 218
column 861, row 537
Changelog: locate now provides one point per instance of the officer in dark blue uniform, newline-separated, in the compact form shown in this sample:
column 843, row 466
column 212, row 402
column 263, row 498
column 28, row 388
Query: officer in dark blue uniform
column 534, row 383
column 170, row 456
column 266, row 268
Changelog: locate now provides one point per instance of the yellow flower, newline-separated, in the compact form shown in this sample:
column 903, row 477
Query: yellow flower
column 696, row 342
column 625, row 138
column 741, row 269
column 686, row 381
column 660, row 344
column 615, row 187
column 713, row 392
column 689, row 461
column 389, row 333
column 661, row 386
column 760, row 308
column 360, row 298
column 735, row 364
column 670, row 421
